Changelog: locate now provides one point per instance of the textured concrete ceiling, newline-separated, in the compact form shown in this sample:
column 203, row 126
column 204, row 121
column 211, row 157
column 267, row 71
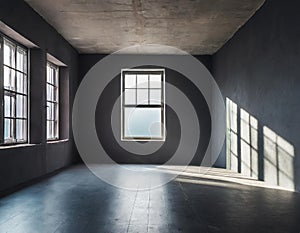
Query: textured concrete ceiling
column 105, row 26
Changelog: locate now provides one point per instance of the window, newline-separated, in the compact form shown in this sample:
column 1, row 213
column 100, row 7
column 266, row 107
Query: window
column 15, row 92
column 52, row 101
column 143, row 107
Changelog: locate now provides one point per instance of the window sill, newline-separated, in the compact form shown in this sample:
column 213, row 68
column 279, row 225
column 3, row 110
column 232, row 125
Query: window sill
column 3, row 147
column 57, row 141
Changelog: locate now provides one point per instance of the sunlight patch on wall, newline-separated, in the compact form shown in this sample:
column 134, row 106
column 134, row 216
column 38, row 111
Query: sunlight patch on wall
column 249, row 145
column 273, row 163
column 278, row 160
column 231, row 135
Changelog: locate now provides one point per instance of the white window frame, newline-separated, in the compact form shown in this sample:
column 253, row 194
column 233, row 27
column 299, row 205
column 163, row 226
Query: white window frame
column 14, row 92
column 52, row 102
column 161, row 105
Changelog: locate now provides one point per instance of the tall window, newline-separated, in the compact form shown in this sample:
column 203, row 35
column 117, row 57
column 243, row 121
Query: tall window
column 143, row 108
column 15, row 92
column 52, row 101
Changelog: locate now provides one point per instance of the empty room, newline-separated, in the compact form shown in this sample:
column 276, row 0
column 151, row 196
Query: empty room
column 148, row 116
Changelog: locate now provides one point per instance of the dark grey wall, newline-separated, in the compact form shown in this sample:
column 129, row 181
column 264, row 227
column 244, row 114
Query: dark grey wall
column 112, row 92
column 259, row 70
column 21, row 164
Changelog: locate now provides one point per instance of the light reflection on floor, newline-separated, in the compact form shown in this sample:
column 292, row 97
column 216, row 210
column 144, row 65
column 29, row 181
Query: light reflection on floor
column 206, row 200
column 194, row 174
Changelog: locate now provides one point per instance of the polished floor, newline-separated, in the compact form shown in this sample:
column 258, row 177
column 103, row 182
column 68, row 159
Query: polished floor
column 215, row 201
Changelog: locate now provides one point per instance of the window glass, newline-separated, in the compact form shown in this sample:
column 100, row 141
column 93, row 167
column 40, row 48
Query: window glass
column 130, row 81
column 143, row 122
column 15, row 92
column 143, row 111
column 52, row 88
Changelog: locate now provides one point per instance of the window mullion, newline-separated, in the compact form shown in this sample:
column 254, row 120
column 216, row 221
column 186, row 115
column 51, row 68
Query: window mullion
column 136, row 89
column 56, row 125
column 15, row 121
column 1, row 92
column 148, row 89
column 11, row 120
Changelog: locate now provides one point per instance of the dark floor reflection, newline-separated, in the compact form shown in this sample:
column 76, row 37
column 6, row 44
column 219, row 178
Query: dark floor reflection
column 197, row 201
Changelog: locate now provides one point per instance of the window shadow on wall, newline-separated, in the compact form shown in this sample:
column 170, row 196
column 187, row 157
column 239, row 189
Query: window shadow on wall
column 278, row 160
column 257, row 151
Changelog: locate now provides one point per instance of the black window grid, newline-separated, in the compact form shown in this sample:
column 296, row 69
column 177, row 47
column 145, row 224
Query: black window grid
column 54, row 102
column 13, row 94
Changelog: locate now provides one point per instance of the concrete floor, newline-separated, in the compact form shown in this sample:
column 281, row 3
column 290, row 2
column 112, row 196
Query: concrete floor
column 77, row 201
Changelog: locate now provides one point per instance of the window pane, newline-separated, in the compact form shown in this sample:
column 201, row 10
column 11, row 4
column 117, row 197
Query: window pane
column 50, row 93
column 21, row 60
column 49, row 132
column 142, row 96
column 21, row 106
column 48, row 74
column 7, row 106
column 130, row 81
column 130, row 96
column 53, row 116
column 56, row 94
column 51, row 76
column 13, row 106
column 155, row 81
column 48, row 97
column 21, row 83
column 21, row 130
column 9, row 135
column 9, row 54
column 155, row 96
column 9, row 78
column 50, row 111
column 142, row 122
column 142, row 81
column 52, row 130
column 7, row 129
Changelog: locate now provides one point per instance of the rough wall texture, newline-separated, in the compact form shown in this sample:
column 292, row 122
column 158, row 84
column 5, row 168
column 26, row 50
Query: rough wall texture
column 21, row 164
column 112, row 92
column 258, row 69
column 198, row 27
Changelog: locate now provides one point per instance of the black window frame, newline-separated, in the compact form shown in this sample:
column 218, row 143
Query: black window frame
column 15, row 93
column 54, row 101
